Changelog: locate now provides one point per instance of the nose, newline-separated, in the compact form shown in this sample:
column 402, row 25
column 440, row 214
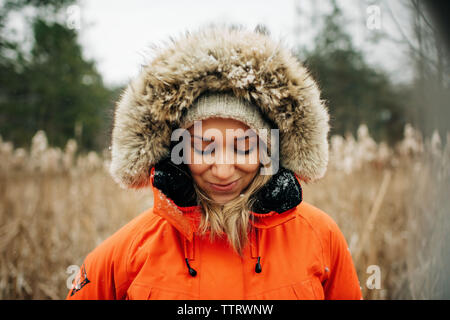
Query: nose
column 223, row 171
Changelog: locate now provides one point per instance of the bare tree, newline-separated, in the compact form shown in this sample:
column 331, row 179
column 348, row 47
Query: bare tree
column 431, row 64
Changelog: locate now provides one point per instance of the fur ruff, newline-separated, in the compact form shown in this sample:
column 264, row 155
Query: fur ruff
column 248, row 64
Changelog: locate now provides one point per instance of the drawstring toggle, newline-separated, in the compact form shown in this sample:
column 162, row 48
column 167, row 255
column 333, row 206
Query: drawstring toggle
column 258, row 268
column 192, row 272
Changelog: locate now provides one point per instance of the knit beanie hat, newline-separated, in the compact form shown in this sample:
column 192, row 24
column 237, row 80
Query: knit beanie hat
column 225, row 105
column 254, row 68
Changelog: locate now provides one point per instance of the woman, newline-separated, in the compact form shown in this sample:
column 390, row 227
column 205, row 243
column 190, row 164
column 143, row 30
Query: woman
column 228, row 220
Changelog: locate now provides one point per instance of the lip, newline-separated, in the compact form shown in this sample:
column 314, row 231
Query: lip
column 224, row 187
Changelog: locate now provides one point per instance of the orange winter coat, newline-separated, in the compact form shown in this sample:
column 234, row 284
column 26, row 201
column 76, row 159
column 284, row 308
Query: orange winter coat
column 302, row 255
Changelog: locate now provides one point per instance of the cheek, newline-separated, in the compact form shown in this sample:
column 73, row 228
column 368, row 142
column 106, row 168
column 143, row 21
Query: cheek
column 198, row 169
column 249, row 169
column 197, row 172
column 250, row 164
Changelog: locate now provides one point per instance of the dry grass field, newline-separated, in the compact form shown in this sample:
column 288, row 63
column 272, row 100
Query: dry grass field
column 392, row 205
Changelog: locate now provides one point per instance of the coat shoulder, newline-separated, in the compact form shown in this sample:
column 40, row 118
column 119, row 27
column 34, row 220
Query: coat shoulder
column 120, row 242
column 318, row 220
column 107, row 266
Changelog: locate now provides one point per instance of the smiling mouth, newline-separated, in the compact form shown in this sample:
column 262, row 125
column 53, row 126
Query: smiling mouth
column 223, row 187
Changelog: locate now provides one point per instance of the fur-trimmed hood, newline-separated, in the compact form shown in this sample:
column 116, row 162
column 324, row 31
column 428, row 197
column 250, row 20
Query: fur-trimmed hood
column 249, row 64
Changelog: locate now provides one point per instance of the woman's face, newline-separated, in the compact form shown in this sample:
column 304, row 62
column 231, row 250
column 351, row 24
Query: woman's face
column 223, row 166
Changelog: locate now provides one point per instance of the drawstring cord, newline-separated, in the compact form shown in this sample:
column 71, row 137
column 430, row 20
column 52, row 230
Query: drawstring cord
column 256, row 254
column 191, row 270
column 189, row 252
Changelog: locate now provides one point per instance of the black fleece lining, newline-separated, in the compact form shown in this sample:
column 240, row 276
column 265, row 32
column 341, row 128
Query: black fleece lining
column 281, row 193
column 175, row 182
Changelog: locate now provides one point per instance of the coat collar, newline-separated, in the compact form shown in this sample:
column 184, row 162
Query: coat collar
column 186, row 219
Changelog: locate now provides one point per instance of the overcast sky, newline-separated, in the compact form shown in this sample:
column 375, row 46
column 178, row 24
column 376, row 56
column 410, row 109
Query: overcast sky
column 116, row 33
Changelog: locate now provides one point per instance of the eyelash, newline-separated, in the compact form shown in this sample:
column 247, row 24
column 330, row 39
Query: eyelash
column 245, row 152
column 202, row 152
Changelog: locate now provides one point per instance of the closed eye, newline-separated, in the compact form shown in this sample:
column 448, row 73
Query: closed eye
column 201, row 142
column 244, row 145
column 244, row 152
column 208, row 150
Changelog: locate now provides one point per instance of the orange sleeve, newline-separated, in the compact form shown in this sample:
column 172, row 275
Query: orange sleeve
column 342, row 282
column 104, row 274
column 95, row 279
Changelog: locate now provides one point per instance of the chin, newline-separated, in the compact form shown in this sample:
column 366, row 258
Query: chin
column 224, row 198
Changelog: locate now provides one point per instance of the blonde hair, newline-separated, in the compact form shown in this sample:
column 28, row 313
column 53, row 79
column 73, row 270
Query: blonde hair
column 232, row 218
